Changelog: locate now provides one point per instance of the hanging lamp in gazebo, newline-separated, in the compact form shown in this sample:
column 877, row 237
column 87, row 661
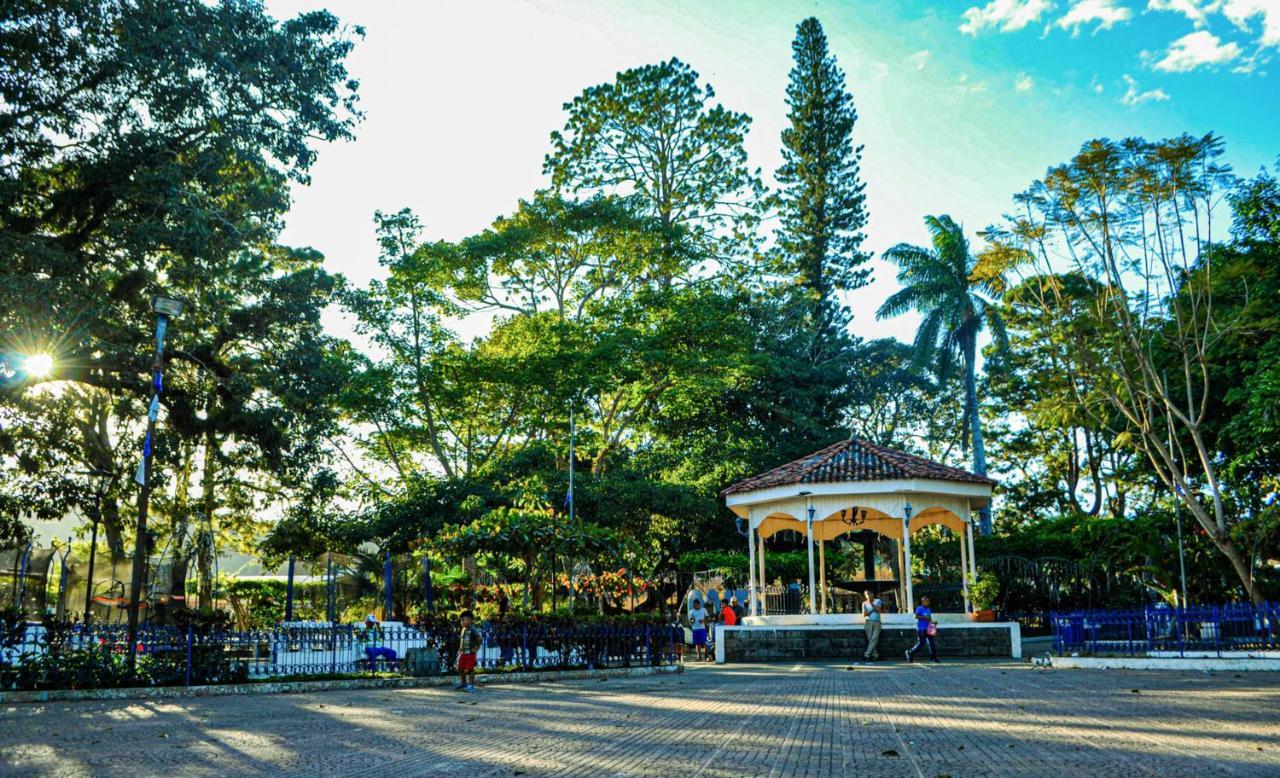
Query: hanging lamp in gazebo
column 851, row 486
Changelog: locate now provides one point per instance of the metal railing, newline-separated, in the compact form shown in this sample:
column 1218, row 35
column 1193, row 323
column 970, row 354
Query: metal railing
column 95, row 656
column 1238, row 629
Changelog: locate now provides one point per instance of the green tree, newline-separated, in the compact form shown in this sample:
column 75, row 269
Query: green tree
column 957, row 304
column 152, row 145
column 1055, row 428
column 553, row 254
column 821, row 198
column 1135, row 218
column 655, row 133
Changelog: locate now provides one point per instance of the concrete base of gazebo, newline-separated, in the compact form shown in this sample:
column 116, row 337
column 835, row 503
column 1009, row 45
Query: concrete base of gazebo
column 846, row 620
column 841, row 636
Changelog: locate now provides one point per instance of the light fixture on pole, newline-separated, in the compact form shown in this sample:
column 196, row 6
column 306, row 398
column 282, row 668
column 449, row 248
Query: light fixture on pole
column 810, row 511
column 165, row 308
column 908, row 594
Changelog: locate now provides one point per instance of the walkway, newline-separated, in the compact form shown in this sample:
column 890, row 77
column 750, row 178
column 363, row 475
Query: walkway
column 818, row 719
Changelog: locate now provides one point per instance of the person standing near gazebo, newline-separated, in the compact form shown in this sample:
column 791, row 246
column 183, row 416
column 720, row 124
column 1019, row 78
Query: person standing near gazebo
column 871, row 607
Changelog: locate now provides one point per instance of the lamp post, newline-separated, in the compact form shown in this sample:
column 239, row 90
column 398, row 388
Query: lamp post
column 810, row 511
column 166, row 308
column 906, row 555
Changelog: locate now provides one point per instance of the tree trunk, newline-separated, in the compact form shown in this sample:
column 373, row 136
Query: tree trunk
column 975, row 424
column 113, row 529
column 206, row 538
column 1241, row 564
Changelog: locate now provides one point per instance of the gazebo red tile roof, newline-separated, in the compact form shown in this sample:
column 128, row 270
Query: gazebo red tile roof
column 854, row 460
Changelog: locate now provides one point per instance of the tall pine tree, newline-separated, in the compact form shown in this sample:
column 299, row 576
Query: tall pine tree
column 822, row 204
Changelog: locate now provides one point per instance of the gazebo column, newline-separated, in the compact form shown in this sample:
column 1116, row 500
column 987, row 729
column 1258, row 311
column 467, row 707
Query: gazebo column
column 822, row 576
column 906, row 564
column 764, row 596
column 902, row 578
column 964, row 565
column 813, row 595
column 753, row 605
column 973, row 563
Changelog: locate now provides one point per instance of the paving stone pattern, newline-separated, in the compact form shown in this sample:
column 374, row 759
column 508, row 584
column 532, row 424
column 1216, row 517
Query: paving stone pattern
column 957, row 719
column 754, row 645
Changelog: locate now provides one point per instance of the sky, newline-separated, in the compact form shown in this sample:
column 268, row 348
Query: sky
column 961, row 104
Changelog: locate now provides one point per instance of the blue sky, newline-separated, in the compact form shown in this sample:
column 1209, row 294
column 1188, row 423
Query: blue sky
column 961, row 104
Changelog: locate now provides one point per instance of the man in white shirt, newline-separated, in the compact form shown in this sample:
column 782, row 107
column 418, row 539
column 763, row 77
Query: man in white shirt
column 698, row 620
column 871, row 608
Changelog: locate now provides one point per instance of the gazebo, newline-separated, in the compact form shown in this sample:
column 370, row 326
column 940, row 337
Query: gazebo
column 851, row 486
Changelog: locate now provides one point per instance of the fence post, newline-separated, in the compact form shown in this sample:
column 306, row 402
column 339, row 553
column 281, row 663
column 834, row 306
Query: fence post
column 1217, row 630
column 188, row 655
column 1177, row 620
column 333, row 646
column 648, row 646
column 288, row 596
column 524, row 645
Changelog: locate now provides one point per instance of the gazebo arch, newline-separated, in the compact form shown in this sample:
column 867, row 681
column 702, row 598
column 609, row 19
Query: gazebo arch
column 856, row 485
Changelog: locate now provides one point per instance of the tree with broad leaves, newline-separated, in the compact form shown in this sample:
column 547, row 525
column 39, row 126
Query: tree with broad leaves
column 1136, row 218
column 654, row 133
column 146, row 145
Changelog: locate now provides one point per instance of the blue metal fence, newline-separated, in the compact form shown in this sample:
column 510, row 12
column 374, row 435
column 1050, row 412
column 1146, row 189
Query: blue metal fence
column 79, row 656
column 1237, row 629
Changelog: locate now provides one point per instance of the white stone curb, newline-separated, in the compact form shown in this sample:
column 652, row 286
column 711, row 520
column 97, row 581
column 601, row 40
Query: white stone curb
column 1141, row 663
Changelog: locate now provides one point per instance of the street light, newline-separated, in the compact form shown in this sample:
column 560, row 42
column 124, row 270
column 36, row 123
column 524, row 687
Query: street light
column 170, row 307
column 165, row 308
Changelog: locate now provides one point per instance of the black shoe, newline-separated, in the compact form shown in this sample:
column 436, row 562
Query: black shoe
column 935, row 660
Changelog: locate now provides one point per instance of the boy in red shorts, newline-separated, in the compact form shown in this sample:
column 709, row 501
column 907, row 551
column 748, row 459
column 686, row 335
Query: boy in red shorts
column 468, row 645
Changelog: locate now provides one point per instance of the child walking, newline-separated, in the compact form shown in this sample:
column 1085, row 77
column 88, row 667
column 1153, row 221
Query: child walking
column 468, row 645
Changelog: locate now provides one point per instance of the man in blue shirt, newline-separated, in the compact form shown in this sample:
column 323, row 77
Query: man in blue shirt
column 924, row 622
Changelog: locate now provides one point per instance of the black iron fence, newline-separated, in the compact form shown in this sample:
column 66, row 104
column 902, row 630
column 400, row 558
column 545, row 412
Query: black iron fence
column 76, row 656
column 1239, row 629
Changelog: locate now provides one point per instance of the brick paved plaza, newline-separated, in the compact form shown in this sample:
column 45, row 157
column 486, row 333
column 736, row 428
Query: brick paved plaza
column 816, row 719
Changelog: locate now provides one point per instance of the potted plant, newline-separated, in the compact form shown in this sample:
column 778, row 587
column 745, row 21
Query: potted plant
column 983, row 593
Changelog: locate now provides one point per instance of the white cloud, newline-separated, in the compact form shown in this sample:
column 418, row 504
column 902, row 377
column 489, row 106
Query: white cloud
column 966, row 87
column 1105, row 12
column 1007, row 15
column 1134, row 97
column 1194, row 10
column 1241, row 13
column 1197, row 49
column 1023, row 83
column 918, row 60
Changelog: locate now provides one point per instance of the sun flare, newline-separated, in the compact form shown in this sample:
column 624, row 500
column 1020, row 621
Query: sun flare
column 38, row 365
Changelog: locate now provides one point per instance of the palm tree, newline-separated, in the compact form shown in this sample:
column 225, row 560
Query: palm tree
column 957, row 304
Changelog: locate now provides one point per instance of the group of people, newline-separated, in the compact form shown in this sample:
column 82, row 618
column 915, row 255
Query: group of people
column 926, row 627
column 700, row 619
column 469, row 642
column 731, row 615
